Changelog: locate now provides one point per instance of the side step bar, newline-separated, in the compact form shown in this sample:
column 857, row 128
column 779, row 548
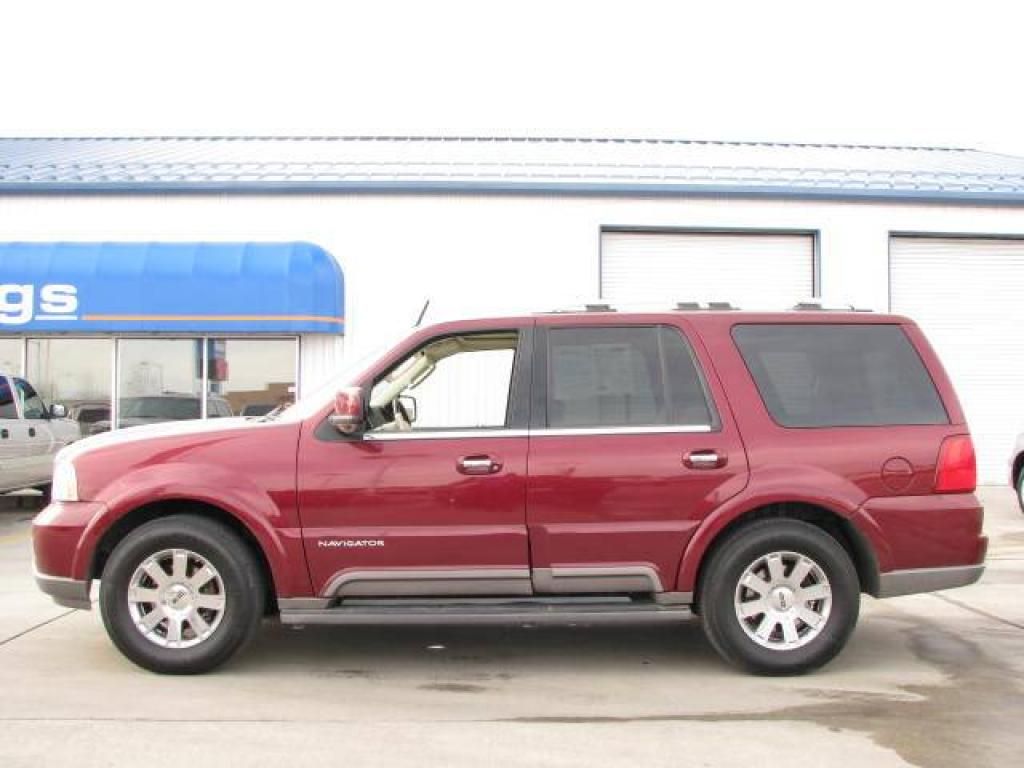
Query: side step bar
column 491, row 612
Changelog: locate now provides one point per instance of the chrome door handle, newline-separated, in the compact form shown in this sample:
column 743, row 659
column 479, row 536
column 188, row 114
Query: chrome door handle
column 478, row 465
column 704, row 460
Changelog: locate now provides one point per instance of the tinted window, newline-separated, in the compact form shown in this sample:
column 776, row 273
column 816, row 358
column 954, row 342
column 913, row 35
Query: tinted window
column 839, row 375
column 630, row 376
column 32, row 406
column 7, row 409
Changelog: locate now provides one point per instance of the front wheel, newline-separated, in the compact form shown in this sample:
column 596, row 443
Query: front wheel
column 181, row 595
column 779, row 597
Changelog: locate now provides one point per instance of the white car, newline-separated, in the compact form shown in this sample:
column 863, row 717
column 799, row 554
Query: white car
column 1017, row 469
column 30, row 436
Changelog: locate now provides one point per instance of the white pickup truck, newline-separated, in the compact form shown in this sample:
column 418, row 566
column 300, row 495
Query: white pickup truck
column 30, row 435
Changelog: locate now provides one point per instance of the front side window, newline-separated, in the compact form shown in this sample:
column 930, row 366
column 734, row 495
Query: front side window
column 456, row 382
column 623, row 377
column 32, row 406
column 833, row 375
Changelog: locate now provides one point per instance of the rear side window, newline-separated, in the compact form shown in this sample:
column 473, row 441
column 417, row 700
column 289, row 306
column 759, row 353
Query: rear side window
column 839, row 375
column 621, row 377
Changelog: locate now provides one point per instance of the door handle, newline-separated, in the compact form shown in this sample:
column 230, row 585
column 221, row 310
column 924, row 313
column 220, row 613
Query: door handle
column 31, row 431
column 478, row 465
column 706, row 459
column 4, row 434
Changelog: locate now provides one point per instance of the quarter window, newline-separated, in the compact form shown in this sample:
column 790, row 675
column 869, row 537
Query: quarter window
column 622, row 377
column 832, row 375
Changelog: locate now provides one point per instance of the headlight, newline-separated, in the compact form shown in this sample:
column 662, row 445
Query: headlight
column 65, row 482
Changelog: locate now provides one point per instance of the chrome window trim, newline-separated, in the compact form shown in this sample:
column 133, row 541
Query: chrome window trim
column 443, row 434
column 460, row 434
column 661, row 429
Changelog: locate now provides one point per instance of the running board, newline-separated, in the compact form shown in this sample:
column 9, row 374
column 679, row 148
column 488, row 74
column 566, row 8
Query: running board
column 453, row 612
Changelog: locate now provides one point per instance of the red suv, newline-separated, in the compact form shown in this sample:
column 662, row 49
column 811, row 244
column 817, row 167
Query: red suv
column 760, row 470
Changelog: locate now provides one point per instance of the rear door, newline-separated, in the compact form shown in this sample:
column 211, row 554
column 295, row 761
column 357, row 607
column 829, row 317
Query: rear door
column 631, row 447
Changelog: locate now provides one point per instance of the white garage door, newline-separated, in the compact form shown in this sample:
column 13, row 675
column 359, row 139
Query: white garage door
column 968, row 297
column 747, row 270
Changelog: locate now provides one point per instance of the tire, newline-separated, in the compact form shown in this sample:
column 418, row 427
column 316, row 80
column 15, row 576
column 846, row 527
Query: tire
column 827, row 596
column 207, row 595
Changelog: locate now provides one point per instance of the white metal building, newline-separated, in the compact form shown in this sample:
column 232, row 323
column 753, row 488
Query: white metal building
column 492, row 225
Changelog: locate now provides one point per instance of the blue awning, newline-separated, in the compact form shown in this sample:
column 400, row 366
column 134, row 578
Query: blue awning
column 186, row 287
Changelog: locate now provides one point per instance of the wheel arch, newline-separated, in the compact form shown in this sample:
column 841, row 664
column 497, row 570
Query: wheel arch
column 163, row 508
column 836, row 525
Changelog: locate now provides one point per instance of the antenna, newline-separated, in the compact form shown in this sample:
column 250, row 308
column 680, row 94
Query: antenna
column 422, row 313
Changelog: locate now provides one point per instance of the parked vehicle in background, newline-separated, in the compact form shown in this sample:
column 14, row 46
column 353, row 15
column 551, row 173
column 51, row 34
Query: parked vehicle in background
column 30, row 435
column 169, row 406
column 258, row 409
column 87, row 412
column 1017, row 469
column 760, row 470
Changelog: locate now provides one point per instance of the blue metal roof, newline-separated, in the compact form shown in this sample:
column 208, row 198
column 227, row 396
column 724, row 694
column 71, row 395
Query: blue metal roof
column 142, row 287
column 537, row 165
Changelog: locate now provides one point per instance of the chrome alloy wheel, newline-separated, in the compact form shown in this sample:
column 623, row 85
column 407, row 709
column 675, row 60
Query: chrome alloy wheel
column 176, row 598
column 783, row 600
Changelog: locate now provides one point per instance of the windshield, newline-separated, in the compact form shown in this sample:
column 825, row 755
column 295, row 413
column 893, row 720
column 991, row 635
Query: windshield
column 171, row 408
column 320, row 397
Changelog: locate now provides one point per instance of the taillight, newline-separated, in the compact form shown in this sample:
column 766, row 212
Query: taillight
column 957, row 470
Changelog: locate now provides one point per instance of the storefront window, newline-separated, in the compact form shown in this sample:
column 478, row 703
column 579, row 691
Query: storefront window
column 158, row 380
column 10, row 356
column 76, row 373
column 249, row 377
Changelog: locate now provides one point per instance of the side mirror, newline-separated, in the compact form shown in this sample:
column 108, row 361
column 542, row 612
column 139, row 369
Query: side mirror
column 58, row 411
column 348, row 417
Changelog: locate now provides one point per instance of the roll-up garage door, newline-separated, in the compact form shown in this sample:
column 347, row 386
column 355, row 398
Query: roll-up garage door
column 749, row 270
column 968, row 297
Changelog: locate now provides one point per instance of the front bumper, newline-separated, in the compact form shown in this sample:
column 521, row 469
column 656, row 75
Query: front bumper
column 62, row 551
column 912, row 581
column 71, row 593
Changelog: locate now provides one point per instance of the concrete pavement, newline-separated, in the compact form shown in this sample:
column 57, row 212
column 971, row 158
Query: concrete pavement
column 930, row 680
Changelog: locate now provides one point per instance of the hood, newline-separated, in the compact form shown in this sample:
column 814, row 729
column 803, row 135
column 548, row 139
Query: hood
column 155, row 431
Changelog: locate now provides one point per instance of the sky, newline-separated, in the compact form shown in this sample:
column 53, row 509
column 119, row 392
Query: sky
column 920, row 73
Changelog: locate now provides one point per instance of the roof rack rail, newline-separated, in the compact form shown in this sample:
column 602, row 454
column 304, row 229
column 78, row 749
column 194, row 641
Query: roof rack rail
column 819, row 306
column 692, row 306
column 587, row 307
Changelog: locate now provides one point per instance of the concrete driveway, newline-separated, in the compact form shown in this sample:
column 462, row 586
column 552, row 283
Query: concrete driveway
column 931, row 680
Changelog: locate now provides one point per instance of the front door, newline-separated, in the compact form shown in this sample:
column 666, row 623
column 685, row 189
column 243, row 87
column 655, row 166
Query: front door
column 431, row 498
column 628, row 452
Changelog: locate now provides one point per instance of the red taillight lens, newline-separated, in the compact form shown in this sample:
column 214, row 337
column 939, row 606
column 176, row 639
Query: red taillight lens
column 957, row 471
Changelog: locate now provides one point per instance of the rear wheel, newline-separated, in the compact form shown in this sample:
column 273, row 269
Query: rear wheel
column 181, row 595
column 779, row 597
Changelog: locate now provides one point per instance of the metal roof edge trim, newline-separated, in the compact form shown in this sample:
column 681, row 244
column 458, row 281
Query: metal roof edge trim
column 38, row 188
